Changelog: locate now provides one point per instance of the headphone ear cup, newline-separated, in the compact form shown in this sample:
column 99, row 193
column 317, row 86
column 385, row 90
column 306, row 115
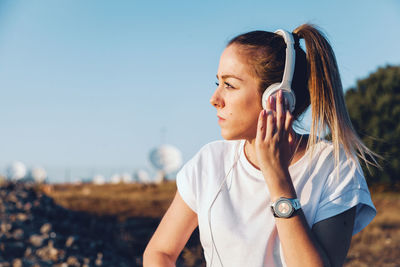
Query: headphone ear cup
column 273, row 90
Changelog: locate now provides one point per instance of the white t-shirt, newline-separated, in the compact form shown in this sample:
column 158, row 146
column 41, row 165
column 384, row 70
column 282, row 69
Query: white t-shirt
column 243, row 231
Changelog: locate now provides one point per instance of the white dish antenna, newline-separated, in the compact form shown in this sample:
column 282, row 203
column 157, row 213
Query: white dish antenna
column 142, row 176
column 126, row 178
column 98, row 179
column 38, row 174
column 166, row 158
column 115, row 178
column 16, row 171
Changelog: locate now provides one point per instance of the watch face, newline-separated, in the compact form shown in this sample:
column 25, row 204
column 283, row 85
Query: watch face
column 283, row 208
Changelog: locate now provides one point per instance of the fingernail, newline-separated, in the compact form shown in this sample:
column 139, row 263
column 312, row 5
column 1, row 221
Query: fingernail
column 270, row 99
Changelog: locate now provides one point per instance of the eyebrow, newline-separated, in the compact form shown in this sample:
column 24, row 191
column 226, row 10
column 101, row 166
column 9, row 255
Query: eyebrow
column 230, row 76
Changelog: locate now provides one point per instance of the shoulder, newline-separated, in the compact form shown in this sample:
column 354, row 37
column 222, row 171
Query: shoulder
column 323, row 154
column 220, row 147
column 213, row 158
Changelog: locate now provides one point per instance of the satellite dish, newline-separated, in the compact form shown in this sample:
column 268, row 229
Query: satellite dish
column 38, row 174
column 142, row 176
column 166, row 158
column 126, row 178
column 99, row 179
column 115, row 178
column 16, row 171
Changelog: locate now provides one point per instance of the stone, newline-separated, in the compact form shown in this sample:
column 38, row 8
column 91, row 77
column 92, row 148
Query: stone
column 18, row 234
column 73, row 261
column 36, row 240
column 45, row 229
column 17, row 263
column 48, row 253
column 28, row 252
column 70, row 241
column 5, row 227
column 22, row 217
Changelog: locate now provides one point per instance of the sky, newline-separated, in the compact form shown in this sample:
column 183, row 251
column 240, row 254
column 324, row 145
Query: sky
column 91, row 87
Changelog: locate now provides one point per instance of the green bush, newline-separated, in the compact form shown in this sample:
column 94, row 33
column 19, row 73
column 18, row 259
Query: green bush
column 374, row 108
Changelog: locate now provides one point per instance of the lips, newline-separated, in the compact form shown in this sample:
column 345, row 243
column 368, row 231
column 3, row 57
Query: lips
column 220, row 119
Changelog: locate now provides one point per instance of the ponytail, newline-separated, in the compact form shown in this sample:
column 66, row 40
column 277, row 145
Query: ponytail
column 328, row 107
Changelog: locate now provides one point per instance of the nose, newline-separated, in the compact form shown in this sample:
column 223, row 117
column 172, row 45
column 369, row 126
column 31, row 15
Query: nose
column 216, row 99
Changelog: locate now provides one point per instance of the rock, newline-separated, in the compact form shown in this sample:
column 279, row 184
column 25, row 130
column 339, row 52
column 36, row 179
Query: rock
column 18, row 234
column 73, row 261
column 99, row 261
column 22, row 217
column 28, row 252
column 45, row 229
column 29, row 220
column 69, row 241
column 17, row 263
column 48, row 253
column 36, row 240
column 27, row 206
column 5, row 227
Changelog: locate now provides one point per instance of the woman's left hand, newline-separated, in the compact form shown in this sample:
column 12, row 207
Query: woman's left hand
column 274, row 146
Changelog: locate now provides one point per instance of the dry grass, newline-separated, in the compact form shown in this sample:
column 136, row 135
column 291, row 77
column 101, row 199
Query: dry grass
column 121, row 200
column 377, row 245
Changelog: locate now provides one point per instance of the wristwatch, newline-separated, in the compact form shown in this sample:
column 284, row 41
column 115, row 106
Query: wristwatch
column 285, row 207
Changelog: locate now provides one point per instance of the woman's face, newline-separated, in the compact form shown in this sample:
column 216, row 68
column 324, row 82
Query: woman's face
column 237, row 98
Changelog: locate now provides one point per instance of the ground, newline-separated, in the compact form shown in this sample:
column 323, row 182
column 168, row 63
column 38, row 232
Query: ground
column 377, row 245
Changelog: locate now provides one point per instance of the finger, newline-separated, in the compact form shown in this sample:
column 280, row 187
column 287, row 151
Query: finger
column 288, row 122
column 270, row 125
column 261, row 126
column 286, row 104
column 280, row 113
column 268, row 106
column 273, row 103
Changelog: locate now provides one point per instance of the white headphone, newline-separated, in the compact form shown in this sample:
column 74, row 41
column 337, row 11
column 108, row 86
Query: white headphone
column 286, row 84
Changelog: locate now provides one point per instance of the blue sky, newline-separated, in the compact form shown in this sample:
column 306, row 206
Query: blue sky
column 91, row 87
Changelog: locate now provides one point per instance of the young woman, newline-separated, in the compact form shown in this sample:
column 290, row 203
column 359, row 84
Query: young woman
column 267, row 196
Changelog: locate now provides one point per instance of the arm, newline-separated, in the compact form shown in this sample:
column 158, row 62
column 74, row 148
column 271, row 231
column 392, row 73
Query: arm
column 326, row 244
column 301, row 245
column 334, row 235
column 171, row 235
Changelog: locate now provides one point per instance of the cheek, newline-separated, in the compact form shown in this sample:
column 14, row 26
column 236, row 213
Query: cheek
column 247, row 113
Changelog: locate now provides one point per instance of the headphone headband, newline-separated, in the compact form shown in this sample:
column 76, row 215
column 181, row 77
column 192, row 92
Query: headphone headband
column 290, row 58
column 286, row 84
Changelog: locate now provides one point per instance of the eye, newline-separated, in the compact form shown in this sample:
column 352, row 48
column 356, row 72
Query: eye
column 217, row 83
column 228, row 85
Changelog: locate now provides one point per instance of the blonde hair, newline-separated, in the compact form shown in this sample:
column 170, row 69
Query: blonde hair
column 328, row 107
column 316, row 81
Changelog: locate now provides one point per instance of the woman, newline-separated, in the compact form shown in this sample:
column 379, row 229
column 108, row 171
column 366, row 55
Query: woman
column 267, row 196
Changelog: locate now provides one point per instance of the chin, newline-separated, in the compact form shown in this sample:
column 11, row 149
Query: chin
column 230, row 136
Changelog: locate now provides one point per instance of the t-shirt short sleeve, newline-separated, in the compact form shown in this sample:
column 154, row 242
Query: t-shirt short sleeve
column 186, row 184
column 344, row 191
